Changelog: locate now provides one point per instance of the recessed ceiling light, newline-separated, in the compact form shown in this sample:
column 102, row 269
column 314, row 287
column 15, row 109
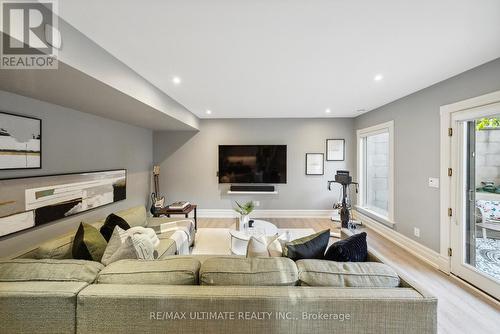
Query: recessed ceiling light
column 378, row 77
column 176, row 80
column 328, row 111
column 209, row 112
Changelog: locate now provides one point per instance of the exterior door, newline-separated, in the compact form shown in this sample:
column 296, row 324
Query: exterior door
column 475, row 232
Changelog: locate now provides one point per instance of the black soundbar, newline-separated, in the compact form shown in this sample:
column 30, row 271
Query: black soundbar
column 252, row 188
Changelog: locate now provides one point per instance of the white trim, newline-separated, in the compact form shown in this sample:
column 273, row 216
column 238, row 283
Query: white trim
column 375, row 216
column 422, row 252
column 373, row 130
column 230, row 192
column 474, row 102
column 229, row 213
column 475, row 289
column 447, row 196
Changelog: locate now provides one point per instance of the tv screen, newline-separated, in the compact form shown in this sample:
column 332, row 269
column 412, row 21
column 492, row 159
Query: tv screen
column 252, row 163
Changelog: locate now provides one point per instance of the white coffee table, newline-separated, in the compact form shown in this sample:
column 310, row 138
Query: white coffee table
column 239, row 239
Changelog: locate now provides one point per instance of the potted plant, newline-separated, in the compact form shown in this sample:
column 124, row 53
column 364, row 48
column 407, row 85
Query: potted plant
column 244, row 210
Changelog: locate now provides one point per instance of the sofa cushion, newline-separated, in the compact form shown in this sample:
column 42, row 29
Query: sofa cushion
column 309, row 247
column 59, row 248
column 21, row 270
column 346, row 274
column 88, row 244
column 109, row 225
column 167, row 246
column 39, row 307
column 170, row 271
column 134, row 216
column 258, row 271
column 351, row 249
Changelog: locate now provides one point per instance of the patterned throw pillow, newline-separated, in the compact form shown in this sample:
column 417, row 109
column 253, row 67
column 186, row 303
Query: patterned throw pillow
column 88, row 243
column 352, row 249
column 264, row 247
column 310, row 247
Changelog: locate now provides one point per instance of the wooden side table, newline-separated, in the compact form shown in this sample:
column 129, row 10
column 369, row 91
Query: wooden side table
column 185, row 212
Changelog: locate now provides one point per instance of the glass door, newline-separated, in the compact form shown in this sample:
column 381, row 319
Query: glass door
column 476, row 232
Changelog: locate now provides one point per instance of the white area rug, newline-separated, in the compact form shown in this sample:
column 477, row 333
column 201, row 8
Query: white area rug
column 217, row 241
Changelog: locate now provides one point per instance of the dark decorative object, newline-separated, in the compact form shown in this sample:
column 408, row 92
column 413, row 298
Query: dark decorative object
column 88, row 243
column 252, row 164
column 157, row 201
column 38, row 200
column 109, row 225
column 335, row 149
column 250, row 223
column 20, row 142
column 343, row 178
column 315, row 164
column 352, row 249
column 310, row 247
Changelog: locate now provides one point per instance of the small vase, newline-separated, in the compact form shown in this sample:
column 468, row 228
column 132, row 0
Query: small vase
column 243, row 221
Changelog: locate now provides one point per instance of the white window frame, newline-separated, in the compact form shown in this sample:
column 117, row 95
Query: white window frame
column 361, row 134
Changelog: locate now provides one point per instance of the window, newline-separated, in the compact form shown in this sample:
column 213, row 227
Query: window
column 375, row 171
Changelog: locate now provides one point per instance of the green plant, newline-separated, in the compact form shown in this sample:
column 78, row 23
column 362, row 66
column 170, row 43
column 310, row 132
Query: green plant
column 245, row 208
column 487, row 123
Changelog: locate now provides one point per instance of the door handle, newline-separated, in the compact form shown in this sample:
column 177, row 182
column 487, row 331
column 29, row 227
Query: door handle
column 471, row 195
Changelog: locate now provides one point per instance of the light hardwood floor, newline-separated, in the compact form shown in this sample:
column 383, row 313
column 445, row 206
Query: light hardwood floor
column 460, row 308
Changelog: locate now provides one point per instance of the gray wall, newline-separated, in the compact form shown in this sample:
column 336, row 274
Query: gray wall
column 72, row 142
column 416, row 130
column 189, row 160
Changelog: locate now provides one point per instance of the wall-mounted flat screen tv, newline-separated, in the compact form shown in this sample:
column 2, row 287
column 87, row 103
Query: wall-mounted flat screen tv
column 252, row 164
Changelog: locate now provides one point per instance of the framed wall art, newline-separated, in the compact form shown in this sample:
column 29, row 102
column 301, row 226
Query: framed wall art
column 20, row 142
column 335, row 149
column 315, row 164
column 34, row 201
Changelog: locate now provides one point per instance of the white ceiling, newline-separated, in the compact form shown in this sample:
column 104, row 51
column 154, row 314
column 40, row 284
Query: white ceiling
column 290, row 58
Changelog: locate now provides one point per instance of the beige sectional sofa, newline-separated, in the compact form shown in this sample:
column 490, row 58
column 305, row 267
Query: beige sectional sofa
column 60, row 248
column 210, row 294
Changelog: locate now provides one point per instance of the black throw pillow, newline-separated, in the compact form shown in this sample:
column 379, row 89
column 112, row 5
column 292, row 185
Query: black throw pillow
column 310, row 247
column 109, row 225
column 352, row 249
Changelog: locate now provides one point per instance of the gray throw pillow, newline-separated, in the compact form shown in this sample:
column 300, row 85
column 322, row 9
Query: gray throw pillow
column 115, row 242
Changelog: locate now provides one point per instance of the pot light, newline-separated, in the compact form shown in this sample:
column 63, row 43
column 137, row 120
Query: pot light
column 176, row 80
column 209, row 112
column 328, row 111
column 378, row 77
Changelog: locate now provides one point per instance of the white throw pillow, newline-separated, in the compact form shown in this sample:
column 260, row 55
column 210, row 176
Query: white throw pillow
column 264, row 247
column 125, row 245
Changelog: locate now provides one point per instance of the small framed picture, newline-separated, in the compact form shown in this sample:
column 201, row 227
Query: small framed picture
column 315, row 164
column 335, row 149
column 20, row 142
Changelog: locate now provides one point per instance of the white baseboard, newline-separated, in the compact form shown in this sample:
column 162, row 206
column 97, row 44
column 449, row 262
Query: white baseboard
column 229, row 213
column 422, row 252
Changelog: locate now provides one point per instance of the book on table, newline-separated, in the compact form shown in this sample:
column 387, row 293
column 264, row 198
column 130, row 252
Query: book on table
column 180, row 205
